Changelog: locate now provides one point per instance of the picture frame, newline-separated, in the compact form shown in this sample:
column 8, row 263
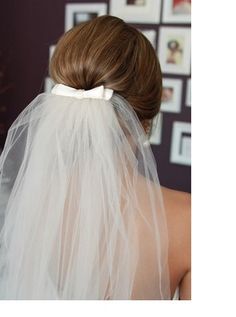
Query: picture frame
column 188, row 93
column 176, row 11
column 48, row 84
column 156, row 133
column 171, row 95
column 151, row 35
column 76, row 13
column 137, row 11
column 174, row 50
column 180, row 152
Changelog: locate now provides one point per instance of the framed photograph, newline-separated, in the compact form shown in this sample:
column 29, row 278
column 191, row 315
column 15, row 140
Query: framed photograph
column 180, row 152
column 48, row 84
column 188, row 93
column 174, row 50
column 171, row 95
column 176, row 11
column 76, row 13
column 151, row 35
column 156, row 134
column 137, row 11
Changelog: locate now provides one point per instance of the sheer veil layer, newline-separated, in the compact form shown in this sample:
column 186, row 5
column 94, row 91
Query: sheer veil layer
column 80, row 202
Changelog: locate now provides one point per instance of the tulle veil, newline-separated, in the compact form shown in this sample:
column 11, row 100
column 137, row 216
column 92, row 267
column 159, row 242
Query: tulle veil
column 77, row 181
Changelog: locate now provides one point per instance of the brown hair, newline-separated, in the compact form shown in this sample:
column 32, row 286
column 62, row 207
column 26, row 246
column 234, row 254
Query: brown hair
column 107, row 51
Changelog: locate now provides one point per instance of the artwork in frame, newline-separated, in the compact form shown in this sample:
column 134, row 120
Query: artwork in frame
column 180, row 152
column 137, row 11
column 188, row 93
column 48, row 84
column 171, row 95
column 76, row 13
column 156, row 133
column 174, row 50
column 176, row 11
column 151, row 35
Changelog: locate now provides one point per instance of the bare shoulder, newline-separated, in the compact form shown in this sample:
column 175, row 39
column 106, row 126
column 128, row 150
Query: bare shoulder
column 180, row 200
column 178, row 207
column 178, row 213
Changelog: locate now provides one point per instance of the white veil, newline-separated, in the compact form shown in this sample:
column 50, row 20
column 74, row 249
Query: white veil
column 80, row 202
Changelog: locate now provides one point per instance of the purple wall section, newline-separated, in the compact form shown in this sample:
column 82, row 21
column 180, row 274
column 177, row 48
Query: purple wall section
column 27, row 29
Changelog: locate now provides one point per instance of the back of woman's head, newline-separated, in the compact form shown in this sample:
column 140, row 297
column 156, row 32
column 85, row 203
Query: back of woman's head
column 107, row 51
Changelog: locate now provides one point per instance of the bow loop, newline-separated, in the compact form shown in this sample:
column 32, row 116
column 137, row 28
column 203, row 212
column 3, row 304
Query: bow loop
column 96, row 93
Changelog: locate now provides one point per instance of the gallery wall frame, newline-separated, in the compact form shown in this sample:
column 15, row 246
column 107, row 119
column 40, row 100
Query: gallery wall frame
column 180, row 152
column 176, row 11
column 76, row 13
column 171, row 95
column 174, row 50
column 137, row 11
column 188, row 93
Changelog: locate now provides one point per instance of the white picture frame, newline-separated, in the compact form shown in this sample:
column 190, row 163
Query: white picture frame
column 148, row 11
column 176, row 11
column 48, row 84
column 174, row 50
column 171, row 95
column 188, row 93
column 151, row 35
column 85, row 11
column 156, row 133
column 180, row 151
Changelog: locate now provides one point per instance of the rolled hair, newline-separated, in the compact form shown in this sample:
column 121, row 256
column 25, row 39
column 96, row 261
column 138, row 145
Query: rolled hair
column 107, row 51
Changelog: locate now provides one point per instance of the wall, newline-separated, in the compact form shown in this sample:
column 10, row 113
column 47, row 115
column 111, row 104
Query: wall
column 28, row 29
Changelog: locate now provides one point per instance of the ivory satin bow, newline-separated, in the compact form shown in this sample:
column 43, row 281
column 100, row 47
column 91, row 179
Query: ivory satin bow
column 95, row 93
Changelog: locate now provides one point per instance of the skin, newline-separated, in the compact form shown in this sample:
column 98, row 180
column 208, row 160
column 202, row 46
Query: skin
column 178, row 212
column 178, row 216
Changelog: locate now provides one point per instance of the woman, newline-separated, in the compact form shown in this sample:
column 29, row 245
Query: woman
column 86, row 217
